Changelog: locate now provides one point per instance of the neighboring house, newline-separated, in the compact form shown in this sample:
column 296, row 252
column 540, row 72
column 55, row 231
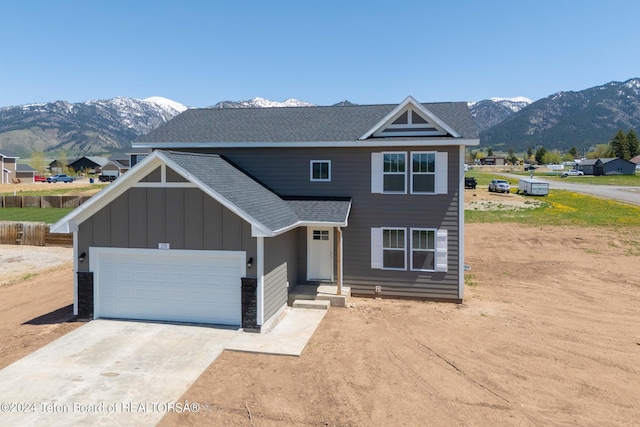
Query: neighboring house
column 607, row 166
column 136, row 155
column 25, row 173
column 56, row 166
column 116, row 166
column 493, row 161
column 7, row 167
column 88, row 164
column 636, row 161
column 235, row 207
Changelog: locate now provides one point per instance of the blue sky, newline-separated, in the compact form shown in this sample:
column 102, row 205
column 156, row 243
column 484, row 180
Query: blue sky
column 202, row 52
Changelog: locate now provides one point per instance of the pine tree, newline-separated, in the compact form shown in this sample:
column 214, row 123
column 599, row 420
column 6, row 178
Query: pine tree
column 619, row 145
column 574, row 152
column 540, row 152
column 633, row 144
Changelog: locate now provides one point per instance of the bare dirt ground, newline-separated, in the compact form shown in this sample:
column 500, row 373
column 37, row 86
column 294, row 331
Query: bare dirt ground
column 549, row 334
column 83, row 187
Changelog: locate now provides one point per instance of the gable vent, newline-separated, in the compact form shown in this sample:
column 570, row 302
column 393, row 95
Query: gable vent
column 409, row 123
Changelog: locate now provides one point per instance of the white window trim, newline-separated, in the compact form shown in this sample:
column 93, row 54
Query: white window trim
column 404, row 174
column 382, row 248
column 434, row 173
column 311, row 178
column 441, row 249
column 434, row 250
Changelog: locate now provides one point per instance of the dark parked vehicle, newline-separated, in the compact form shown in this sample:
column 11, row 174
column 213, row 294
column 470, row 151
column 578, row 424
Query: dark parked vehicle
column 499, row 186
column 470, row 183
column 60, row 178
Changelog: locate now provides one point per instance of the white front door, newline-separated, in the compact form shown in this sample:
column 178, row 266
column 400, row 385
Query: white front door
column 319, row 253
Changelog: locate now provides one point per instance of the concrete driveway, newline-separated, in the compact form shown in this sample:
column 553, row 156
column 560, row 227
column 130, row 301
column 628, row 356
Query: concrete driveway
column 109, row 373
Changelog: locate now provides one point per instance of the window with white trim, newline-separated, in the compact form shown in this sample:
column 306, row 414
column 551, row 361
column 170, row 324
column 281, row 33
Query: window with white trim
column 394, row 172
column 428, row 172
column 423, row 249
column 320, row 170
column 423, row 172
column 428, row 249
column 394, row 252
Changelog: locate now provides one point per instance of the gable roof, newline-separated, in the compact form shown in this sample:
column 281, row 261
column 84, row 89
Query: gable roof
column 98, row 161
column 8, row 155
column 635, row 160
column 20, row 167
column 268, row 214
column 299, row 125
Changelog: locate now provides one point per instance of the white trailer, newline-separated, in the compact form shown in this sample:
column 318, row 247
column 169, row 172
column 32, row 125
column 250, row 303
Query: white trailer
column 533, row 187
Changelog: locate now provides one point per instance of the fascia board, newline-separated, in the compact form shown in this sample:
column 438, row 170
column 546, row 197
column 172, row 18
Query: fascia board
column 376, row 142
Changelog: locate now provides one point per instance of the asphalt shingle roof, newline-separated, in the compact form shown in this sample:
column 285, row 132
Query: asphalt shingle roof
column 251, row 197
column 294, row 124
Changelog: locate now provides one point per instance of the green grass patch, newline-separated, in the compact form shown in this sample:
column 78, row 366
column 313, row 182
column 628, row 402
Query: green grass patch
column 469, row 280
column 621, row 180
column 565, row 208
column 48, row 215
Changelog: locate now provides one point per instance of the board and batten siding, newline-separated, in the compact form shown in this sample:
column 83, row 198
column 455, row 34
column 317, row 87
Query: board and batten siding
column 280, row 271
column 186, row 218
column 286, row 171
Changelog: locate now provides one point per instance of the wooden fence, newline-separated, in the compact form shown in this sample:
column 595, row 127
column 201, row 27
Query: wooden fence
column 62, row 201
column 31, row 233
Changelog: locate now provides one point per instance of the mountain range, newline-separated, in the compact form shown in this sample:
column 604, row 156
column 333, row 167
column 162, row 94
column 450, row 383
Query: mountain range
column 560, row 121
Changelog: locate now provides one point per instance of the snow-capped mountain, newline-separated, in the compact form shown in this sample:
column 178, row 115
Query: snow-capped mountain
column 262, row 103
column 490, row 112
column 92, row 127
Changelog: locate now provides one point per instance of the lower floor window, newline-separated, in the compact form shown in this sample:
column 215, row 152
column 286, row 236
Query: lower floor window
column 393, row 252
column 426, row 250
column 423, row 249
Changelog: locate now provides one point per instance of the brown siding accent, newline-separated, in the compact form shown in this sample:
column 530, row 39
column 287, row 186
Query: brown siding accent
column 186, row 218
column 173, row 176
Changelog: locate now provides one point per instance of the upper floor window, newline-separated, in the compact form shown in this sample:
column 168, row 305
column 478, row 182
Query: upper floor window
column 394, row 172
column 427, row 172
column 320, row 170
column 423, row 172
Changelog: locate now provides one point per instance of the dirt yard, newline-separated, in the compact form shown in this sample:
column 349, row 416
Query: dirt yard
column 549, row 334
column 82, row 187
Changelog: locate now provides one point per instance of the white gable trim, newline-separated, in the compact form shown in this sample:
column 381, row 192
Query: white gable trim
column 131, row 179
column 410, row 101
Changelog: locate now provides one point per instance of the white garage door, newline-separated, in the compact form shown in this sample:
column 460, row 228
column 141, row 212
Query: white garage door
column 169, row 285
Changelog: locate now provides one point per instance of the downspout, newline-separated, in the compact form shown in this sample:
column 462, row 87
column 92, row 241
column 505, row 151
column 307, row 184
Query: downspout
column 461, row 223
column 260, row 280
column 75, row 273
column 340, row 260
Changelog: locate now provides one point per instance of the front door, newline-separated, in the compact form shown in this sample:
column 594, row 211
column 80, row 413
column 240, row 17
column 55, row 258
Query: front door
column 319, row 253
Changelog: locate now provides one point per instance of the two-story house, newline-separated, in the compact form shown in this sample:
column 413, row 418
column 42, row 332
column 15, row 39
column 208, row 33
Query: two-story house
column 235, row 207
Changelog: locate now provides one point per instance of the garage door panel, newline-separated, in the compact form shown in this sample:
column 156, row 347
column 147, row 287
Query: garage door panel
column 184, row 286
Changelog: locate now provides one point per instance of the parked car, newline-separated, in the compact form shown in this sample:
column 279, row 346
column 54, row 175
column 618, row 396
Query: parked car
column 572, row 172
column 499, row 186
column 39, row 178
column 60, row 178
column 470, row 183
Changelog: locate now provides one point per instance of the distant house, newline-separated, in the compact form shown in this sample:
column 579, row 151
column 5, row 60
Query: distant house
column 636, row 161
column 136, row 155
column 25, row 173
column 116, row 166
column 56, row 166
column 493, row 161
column 7, row 167
column 89, row 164
column 607, row 166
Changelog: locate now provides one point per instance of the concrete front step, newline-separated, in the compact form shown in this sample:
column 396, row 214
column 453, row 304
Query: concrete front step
column 312, row 303
column 320, row 293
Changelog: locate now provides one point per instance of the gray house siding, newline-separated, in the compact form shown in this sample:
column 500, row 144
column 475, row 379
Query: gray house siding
column 280, row 271
column 287, row 173
column 186, row 218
